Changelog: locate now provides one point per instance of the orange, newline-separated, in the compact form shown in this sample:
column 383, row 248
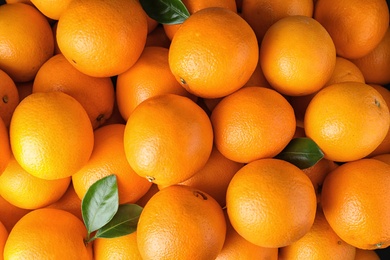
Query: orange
column 196, row 5
column 382, row 157
column 24, row 89
column 108, row 157
column 211, row 57
column 158, row 37
column 102, row 38
column 27, row 191
column 9, row 97
column 215, row 176
column 167, row 139
column 362, row 254
column 321, row 242
column 96, row 95
column 51, row 135
column 20, row 24
column 124, row 248
column 252, row 123
column 344, row 71
column 5, row 148
column 376, row 64
column 261, row 14
column 271, row 203
column 356, row 26
column 10, row 214
column 238, row 248
column 384, row 146
column 51, row 8
column 347, row 120
column 48, row 234
column 144, row 199
column 69, row 202
column 350, row 196
column 257, row 78
column 293, row 50
column 180, row 222
column 149, row 76
column 3, row 239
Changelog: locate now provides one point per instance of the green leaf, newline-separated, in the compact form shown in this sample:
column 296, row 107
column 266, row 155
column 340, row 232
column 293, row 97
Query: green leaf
column 100, row 203
column 123, row 223
column 166, row 11
column 302, row 152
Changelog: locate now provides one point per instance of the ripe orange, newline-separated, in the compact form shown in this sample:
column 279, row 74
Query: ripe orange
column 20, row 24
column 51, row 8
column 5, row 148
column 257, row 78
column 9, row 97
column 51, row 135
column 102, row 38
column 210, row 57
column 252, row 123
column 356, row 26
column 180, row 222
column 48, row 234
column 96, row 95
column 24, row 89
column 3, row 239
column 362, row 254
column 376, row 64
column 10, row 214
column 271, row 203
column 293, row 50
column 168, row 138
column 123, row 248
column 347, row 120
column 149, row 76
column 261, row 14
column 27, row 191
column 382, row 157
column 350, row 196
column 321, row 242
column 108, row 157
column 158, row 37
column 344, row 71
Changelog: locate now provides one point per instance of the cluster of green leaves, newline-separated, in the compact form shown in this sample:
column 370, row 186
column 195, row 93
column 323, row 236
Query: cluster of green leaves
column 103, row 216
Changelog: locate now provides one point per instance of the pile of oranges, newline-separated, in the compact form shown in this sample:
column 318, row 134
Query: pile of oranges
column 190, row 117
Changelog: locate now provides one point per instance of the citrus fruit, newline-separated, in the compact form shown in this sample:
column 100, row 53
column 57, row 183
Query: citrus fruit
column 10, row 214
column 167, row 139
column 180, row 222
column 3, row 238
column 271, row 203
column 350, row 196
column 102, row 38
column 362, row 254
column 210, row 57
column 5, row 149
column 20, row 24
column 345, row 70
column 347, row 120
column 252, row 123
column 51, row 135
column 9, row 97
column 293, row 50
column 51, row 8
column 124, row 248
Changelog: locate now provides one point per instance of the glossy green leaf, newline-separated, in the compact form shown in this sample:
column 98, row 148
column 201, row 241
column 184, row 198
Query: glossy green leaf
column 100, row 203
column 302, row 152
column 123, row 223
column 166, row 11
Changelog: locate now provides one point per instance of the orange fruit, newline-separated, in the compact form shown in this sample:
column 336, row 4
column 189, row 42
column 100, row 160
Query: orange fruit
column 9, row 97
column 5, row 148
column 356, row 27
column 20, row 24
column 51, row 135
column 3, row 238
column 257, row 78
column 158, row 37
column 271, row 203
column 101, row 38
column 144, row 199
column 238, row 248
column 124, row 248
column 261, row 14
column 149, row 76
column 293, row 50
column 108, row 157
column 24, row 89
column 350, row 196
column 27, row 191
column 51, row 8
column 201, row 64
column 382, row 157
column 215, row 176
column 376, row 63
column 180, row 222
column 167, row 139
column 321, row 242
column 252, row 123
column 362, row 254
column 344, row 71
column 10, row 214
column 347, row 120
column 96, row 95
column 48, row 234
